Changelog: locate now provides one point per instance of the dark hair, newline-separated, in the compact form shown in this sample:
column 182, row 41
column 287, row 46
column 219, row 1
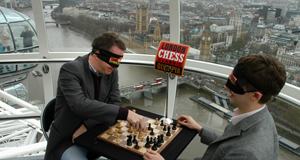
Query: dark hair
column 107, row 40
column 265, row 74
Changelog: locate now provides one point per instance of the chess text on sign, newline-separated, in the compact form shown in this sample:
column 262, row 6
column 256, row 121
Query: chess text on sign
column 170, row 58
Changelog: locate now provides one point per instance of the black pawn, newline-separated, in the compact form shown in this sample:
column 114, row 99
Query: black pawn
column 174, row 126
column 151, row 141
column 161, row 123
column 149, row 128
column 147, row 145
column 154, row 147
column 137, row 145
column 134, row 139
column 162, row 138
column 168, row 133
column 165, row 128
column 152, row 133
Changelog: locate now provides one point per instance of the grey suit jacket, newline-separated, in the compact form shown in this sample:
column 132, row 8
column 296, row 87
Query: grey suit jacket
column 76, row 104
column 254, row 137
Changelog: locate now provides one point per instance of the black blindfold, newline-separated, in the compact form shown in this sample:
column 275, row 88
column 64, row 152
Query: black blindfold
column 236, row 80
column 110, row 58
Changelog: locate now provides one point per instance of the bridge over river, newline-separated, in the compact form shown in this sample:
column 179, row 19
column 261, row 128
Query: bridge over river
column 151, row 86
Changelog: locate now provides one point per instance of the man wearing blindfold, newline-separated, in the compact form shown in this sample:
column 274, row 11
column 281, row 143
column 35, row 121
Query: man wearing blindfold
column 252, row 134
column 87, row 95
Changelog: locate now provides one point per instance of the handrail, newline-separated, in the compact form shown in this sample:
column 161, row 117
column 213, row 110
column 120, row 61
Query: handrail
column 289, row 93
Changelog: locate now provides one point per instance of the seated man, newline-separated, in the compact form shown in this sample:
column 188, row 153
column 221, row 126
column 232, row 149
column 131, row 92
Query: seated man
column 252, row 134
column 88, row 94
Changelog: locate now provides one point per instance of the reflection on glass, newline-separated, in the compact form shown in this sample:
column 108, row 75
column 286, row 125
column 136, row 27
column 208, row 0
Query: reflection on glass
column 17, row 32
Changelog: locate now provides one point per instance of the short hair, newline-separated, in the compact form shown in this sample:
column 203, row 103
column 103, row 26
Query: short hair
column 107, row 40
column 264, row 73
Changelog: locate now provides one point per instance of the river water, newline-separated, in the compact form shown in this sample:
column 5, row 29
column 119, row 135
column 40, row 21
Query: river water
column 67, row 38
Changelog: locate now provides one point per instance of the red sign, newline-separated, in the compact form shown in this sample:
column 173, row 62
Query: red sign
column 170, row 58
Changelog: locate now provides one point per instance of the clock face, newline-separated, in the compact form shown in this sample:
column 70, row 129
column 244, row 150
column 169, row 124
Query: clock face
column 208, row 38
column 203, row 38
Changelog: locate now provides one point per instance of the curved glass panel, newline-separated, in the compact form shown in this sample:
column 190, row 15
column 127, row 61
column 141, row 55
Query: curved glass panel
column 25, row 37
column 2, row 19
column 17, row 31
column 11, row 16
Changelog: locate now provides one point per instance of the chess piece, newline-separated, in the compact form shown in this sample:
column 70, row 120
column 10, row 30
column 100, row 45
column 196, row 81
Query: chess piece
column 152, row 133
column 120, row 131
column 151, row 141
column 161, row 123
column 165, row 128
column 154, row 147
column 134, row 139
column 128, row 125
column 135, row 131
column 136, row 145
column 162, row 138
column 156, row 121
column 118, row 138
column 149, row 128
column 146, row 130
column 147, row 145
column 129, row 142
column 130, row 130
column 141, row 135
column 168, row 133
column 119, row 124
column 116, row 132
column 174, row 126
column 158, row 141
column 111, row 131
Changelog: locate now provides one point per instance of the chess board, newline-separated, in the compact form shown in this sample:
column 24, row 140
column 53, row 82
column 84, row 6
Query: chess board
column 157, row 129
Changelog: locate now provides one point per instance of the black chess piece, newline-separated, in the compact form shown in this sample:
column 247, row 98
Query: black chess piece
column 147, row 145
column 174, row 125
column 158, row 141
column 152, row 133
column 154, row 147
column 137, row 145
column 162, row 138
column 165, row 128
column 151, row 141
column 134, row 139
column 168, row 133
column 129, row 142
column 149, row 128
column 161, row 123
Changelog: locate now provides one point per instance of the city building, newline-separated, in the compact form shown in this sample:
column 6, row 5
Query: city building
column 205, row 44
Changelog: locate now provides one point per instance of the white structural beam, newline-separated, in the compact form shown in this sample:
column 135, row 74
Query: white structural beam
column 14, row 111
column 19, row 151
column 38, row 13
column 19, row 102
column 174, row 6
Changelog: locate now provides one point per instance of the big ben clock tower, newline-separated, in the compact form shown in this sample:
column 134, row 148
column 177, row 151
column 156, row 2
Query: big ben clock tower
column 205, row 44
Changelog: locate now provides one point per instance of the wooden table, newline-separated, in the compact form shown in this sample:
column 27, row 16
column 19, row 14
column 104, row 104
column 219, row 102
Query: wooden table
column 172, row 151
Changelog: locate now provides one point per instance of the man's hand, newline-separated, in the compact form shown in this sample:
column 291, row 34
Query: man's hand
column 151, row 155
column 78, row 132
column 189, row 122
column 137, row 121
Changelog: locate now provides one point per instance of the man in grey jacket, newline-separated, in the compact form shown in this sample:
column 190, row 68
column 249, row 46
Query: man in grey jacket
column 252, row 134
column 88, row 94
